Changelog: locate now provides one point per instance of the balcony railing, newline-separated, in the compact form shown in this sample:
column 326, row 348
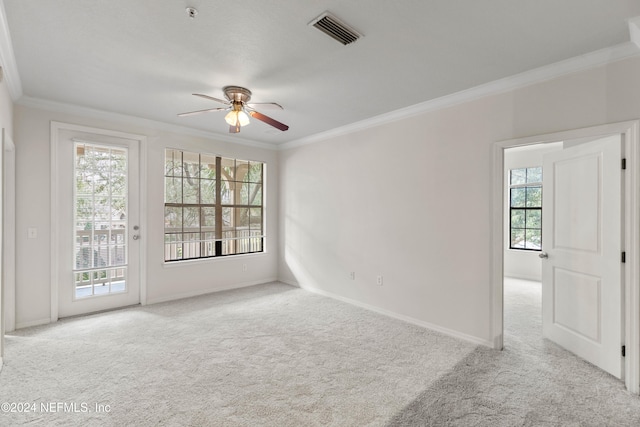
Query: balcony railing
column 186, row 245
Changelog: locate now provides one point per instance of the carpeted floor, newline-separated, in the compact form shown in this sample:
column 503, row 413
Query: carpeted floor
column 274, row 355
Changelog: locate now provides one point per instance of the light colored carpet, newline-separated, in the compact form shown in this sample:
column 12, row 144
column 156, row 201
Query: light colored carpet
column 274, row 355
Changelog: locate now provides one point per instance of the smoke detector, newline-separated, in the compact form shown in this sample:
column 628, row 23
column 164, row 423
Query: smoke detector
column 191, row 12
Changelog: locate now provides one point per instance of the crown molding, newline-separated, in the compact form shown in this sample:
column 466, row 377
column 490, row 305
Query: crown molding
column 527, row 78
column 8, row 59
column 60, row 107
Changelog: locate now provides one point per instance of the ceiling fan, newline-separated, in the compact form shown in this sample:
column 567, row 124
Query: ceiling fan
column 239, row 109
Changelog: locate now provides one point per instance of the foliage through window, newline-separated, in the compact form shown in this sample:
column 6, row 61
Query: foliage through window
column 213, row 206
column 525, row 206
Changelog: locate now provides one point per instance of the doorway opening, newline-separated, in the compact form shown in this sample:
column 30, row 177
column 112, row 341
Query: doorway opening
column 522, row 272
column 503, row 267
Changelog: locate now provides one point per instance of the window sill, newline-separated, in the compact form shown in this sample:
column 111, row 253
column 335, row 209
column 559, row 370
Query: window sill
column 190, row 262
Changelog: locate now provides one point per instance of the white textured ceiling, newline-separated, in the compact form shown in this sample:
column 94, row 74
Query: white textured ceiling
column 144, row 58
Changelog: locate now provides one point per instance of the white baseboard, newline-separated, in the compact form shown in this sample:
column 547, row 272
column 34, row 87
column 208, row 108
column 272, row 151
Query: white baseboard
column 22, row 325
column 289, row 282
column 413, row 321
column 210, row 291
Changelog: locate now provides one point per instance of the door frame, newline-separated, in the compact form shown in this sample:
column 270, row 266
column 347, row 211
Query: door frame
column 630, row 131
column 56, row 127
column 8, row 234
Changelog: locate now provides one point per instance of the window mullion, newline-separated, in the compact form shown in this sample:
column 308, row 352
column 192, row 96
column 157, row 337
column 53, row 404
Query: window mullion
column 218, row 206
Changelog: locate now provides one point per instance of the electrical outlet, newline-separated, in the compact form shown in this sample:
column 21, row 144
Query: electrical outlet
column 352, row 275
column 32, row 233
column 244, row 267
column 379, row 280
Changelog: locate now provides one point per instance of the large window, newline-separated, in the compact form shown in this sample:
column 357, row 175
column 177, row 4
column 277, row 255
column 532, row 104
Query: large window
column 525, row 204
column 213, row 206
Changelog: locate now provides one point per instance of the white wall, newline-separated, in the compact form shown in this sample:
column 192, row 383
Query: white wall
column 518, row 263
column 164, row 282
column 411, row 200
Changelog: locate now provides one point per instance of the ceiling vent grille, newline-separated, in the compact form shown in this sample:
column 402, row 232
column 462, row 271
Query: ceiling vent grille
column 335, row 28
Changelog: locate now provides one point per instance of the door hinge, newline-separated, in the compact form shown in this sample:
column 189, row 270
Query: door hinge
column 624, row 164
column 624, row 257
column 624, row 350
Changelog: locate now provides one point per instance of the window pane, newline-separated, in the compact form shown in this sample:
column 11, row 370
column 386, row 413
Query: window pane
column 207, row 166
column 518, row 176
column 191, row 245
column 118, row 211
column 173, row 163
column 242, row 169
column 172, row 218
column 517, row 218
column 228, row 167
column 207, row 191
column 518, row 197
column 209, row 218
column 118, row 185
column 242, row 218
column 191, row 165
column 534, row 175
column 118, row 162
column 255, row 219
column 191, row 219
column 534, row 197
column 227, row 190
column 227, row 218
column 255, row 194
column 517, row 238
column 534, row 239
column 255, row 172
column 534, row 218
column 242, row 193
column 191, row 190
column 173, row 190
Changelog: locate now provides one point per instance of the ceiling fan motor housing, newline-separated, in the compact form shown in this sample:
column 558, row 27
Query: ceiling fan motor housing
column 237, row 94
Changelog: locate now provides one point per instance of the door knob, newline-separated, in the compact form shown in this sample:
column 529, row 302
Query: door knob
column 543, row 255
column 135, row 237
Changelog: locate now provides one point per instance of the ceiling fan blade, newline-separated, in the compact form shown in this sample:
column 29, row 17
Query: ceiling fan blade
column 234, row 129
column 211, row 98
column 190, row 113
column 267, row 105
column 268, row 120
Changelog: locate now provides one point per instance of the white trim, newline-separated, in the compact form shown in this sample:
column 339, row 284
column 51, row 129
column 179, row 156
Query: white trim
column 9, row 234
column 201, row 292
column 634, row 30
column 32, row 323
column 411, row 320
column 537, row 75
column 8, row 58
column 60, row 107
column 631, row 133
column 56, row 127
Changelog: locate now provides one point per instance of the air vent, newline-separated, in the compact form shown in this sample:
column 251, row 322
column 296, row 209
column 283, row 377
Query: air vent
column 335, row 28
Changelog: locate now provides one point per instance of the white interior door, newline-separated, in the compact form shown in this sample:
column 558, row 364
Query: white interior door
column 582, row 286
column 98, row 229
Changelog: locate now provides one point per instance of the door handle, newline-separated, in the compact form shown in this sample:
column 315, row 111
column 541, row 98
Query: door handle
column 135, row 237
column 543, row 255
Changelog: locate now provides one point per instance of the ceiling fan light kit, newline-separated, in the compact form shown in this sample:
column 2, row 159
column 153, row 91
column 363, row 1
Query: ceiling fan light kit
column 237, row 102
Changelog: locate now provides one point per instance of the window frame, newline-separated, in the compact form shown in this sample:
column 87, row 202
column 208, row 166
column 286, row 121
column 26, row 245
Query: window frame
column 526, row 185
column 218, row 240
